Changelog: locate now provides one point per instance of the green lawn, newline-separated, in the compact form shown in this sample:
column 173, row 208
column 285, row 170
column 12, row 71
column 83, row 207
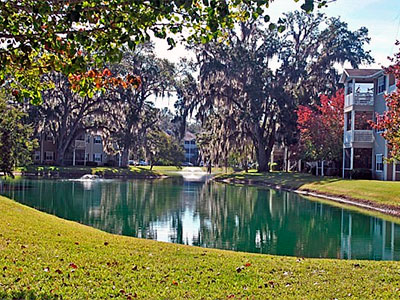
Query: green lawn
column 131, row 171
column 44, row 257
column 380, row 192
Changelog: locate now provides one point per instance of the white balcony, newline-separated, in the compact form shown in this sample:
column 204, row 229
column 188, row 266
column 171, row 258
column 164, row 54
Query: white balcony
column 358, row 136
column 366, row 98
column 363, row 136
column 80, row 144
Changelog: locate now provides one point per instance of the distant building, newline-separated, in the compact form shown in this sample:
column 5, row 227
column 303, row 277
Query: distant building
column 191, row 149
column 86, row 149
column 364, row 148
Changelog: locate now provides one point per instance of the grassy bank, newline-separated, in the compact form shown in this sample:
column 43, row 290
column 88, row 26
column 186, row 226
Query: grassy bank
column 108, row 172
column 380, row 192
column 44, row 257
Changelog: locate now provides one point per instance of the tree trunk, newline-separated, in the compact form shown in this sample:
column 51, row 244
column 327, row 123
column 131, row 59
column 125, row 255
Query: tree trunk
column 262, row 158
column 125, row 158
column 60, row 155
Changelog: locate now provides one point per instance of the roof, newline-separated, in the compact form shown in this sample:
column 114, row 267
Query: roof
column 189, row 136
column 360, row 73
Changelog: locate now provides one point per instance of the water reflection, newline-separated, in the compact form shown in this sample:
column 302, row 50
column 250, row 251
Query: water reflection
column 214, row 215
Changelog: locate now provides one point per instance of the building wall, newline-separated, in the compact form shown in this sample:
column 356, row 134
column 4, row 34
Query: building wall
column 379, row 146
column 93, row 151
column 191, row 151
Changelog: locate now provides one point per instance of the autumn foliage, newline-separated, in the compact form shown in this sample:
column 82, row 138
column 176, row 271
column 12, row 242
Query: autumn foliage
column 389, row 121
column 321, row 128
column 102, row 79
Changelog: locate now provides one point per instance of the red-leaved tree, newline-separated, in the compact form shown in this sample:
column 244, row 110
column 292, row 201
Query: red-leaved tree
column 321, row 128
column 389, row 121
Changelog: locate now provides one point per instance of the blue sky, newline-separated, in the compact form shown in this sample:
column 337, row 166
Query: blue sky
column 381, row 17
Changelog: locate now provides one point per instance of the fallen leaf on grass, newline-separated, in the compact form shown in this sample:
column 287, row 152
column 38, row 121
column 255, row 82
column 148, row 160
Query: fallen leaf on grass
column 174, row 282
column 248, row 264
column 239, row 269
column 73, row 266
column 58, row 271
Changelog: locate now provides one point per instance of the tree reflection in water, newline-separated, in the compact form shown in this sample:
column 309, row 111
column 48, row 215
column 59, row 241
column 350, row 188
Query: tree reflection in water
column 214, row 215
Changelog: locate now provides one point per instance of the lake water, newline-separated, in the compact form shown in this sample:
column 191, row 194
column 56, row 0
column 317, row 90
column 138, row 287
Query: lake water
column 213, row 215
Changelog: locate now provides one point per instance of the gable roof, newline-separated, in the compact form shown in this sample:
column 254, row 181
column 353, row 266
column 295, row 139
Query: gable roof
column 359, row 73
column 189, row 136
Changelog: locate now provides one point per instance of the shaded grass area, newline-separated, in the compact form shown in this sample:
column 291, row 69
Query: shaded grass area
column 44, row 257
column 380, row 192
column 130, row 172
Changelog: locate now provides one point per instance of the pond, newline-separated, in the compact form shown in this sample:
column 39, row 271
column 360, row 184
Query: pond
column 214, row 215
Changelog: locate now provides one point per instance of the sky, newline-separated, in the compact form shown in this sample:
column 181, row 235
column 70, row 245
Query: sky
column 381, row 17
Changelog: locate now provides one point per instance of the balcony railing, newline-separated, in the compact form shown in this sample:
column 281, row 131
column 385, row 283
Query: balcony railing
column 80, row 144
column 358, row 136
column 359, row 99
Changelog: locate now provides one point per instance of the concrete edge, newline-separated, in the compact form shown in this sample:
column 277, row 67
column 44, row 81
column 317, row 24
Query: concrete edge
column 365, row 204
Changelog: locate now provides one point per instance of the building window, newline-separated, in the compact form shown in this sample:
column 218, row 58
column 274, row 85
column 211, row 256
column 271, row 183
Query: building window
column 49, row 156
column 378, row 130
column 97, row 139
column 37, row 156
column 348, row 124
column 381, row 84
column 97, row 157
column 379, row 162
column 347, row 158
column 349, row 88
column 193, row 142
column 187, row 142
column 88, row 139
column 49, row 138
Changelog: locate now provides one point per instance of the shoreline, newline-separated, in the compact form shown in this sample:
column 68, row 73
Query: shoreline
column 343, row 199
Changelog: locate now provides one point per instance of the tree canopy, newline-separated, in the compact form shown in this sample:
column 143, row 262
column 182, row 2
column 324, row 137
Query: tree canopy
column 16, row 141
column 321, row 128
column 243, row 95
column 73, row 37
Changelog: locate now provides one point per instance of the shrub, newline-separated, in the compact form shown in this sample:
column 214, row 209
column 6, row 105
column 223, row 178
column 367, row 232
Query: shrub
column 111, row 163
column 361, row 174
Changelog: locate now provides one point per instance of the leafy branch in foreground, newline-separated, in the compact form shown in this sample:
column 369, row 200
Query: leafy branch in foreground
column 72, row 37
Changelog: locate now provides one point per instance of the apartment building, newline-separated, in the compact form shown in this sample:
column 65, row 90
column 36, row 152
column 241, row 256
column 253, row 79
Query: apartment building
column 191, row 149
column 86, row 149
column 363, row 147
